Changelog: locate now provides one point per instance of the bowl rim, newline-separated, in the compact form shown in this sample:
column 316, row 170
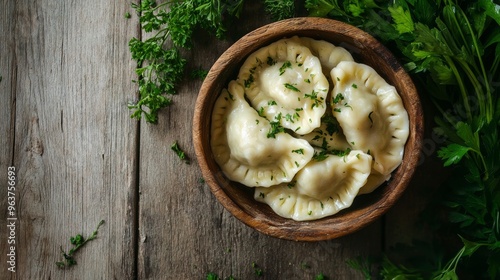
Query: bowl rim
column 262, row 36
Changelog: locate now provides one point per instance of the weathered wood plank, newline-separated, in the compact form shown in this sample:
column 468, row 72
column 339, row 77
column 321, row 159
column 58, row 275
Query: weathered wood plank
column 185, row 233
column 74, row 141
column 7, row 104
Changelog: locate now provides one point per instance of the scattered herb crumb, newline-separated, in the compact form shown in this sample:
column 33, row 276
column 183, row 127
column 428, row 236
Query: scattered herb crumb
column 77, row 241
column 322, row 277
column 127, row 15
column 258, row 271
column 212, row 276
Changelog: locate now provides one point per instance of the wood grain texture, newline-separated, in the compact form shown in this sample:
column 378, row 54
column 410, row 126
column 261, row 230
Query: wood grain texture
column 7, row 105
column 74, row 141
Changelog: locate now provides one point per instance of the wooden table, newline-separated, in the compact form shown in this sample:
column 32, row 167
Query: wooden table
column 79, row 158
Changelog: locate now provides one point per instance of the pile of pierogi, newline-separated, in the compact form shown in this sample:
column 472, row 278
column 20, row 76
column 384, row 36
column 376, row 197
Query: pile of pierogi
column 308, row 128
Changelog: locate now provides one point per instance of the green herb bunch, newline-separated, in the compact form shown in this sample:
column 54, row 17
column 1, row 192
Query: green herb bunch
column 160, row 64
column 452, row 49
column 280, row 9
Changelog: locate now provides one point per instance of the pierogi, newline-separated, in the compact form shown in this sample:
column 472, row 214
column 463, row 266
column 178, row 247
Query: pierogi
column 308, row 128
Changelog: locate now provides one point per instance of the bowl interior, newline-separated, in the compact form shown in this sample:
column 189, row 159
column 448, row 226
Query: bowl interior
column 238, row 199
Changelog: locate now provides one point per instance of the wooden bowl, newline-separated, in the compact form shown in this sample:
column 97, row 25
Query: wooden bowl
column 238, row 199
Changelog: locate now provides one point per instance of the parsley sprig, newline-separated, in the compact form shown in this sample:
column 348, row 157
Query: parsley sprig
column 160, row 64
column 77, row 241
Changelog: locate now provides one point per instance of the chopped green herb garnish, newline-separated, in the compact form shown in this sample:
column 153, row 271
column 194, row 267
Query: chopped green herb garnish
column 275, row 127
column 320, row 156
column 332, row 125
column 314, row 97
column 289, row 117
column 291, row 87
column 298, row 151
column 248, row 82
column 261, row 112
column 354, row 86
column 339, row 97
column 270, row 61
column 286, row 64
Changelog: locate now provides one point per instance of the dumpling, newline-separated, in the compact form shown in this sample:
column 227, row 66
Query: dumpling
column 371, row 114
column 285, row 83
column 329, row 55
column 374, row 181
column 248, row 148
column 320, row 189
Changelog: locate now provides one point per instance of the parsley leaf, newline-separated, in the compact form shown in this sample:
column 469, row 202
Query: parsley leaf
column 402, row 19
column 180, row 153
column 452, row 153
